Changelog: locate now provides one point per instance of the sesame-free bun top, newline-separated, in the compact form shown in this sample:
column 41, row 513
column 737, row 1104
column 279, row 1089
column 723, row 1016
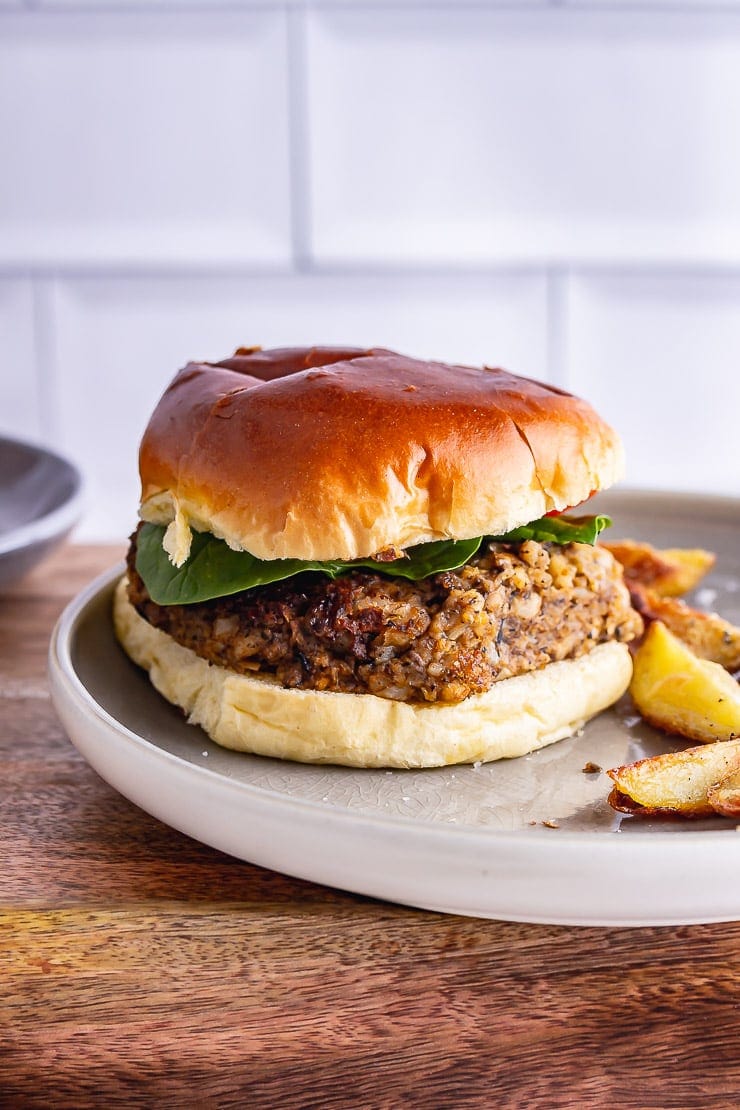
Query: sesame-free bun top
column 322, row 453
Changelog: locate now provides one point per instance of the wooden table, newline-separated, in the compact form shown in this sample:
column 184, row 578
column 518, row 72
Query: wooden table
column 139, row 968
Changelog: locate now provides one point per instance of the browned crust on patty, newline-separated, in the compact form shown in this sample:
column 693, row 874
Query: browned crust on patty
column 512, row 609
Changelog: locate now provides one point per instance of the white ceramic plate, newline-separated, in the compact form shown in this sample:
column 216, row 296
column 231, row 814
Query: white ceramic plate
column 469, row 840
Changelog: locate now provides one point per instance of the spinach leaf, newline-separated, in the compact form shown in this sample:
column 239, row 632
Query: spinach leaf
column 559, row 529
column 214, row 570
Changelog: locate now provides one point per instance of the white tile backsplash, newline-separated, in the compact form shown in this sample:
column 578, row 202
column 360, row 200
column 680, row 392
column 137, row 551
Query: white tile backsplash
column 479, row 181
column 537, row 135
column 139, row 137
column 20, row 408
column 119, row 343
column 660, row 357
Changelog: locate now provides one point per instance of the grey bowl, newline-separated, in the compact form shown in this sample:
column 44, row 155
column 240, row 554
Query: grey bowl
column 40, row 501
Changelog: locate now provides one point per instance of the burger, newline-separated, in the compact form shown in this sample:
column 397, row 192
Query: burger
column 355, row 557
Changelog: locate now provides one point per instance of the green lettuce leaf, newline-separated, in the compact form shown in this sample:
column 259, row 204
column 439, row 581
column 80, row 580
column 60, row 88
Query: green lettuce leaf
column 559, row 529
column 214, row 570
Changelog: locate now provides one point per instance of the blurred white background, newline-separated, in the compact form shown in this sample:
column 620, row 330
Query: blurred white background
column 553, row 188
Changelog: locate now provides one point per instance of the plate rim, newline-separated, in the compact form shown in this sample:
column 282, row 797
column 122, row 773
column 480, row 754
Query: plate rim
column 570, row 878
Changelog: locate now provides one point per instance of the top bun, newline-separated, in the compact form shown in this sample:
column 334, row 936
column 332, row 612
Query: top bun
column 322, row 453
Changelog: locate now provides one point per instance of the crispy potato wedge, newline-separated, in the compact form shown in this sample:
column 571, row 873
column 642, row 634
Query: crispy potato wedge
column 670, row 572
column 724, row 796
column 708, row 635
column 677, row 784
column 680, row 693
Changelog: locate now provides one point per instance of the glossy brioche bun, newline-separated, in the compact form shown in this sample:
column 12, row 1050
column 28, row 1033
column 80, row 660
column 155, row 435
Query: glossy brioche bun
column 256, row 714
column 322, row 453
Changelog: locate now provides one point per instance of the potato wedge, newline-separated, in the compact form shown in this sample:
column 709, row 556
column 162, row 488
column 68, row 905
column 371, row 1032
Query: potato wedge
column 706, row 634
column 679, row 693
column 670, row 572
column 675, row 784
column 724, row 796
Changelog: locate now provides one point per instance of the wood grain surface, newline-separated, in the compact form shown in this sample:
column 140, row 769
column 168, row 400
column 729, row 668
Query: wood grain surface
column 139, row 968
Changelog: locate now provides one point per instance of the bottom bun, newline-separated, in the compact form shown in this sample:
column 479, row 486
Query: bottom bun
column 257, row 714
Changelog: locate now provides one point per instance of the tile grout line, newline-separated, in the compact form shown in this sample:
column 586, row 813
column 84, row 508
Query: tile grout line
column 42, row 300
column 117, row 7
column 145, row 270
column 298, row 139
